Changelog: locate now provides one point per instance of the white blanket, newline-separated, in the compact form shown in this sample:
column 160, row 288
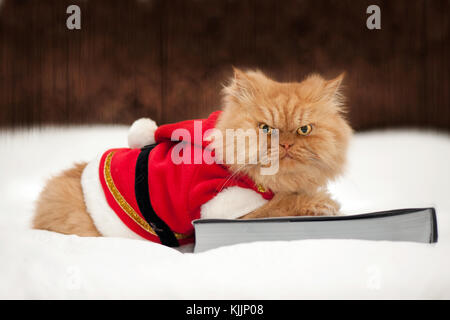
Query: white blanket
column 387, row 170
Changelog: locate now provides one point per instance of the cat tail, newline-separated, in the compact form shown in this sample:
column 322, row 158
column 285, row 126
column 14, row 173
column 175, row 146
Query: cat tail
column 142, row 133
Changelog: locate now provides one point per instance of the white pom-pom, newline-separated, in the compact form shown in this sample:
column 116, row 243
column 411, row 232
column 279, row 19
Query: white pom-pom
column 142, row 133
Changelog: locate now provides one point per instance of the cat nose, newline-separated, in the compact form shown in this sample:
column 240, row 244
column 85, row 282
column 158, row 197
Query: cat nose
column 286, row 145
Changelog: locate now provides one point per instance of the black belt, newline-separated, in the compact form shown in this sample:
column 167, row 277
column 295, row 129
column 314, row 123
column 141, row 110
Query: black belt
column 163, row 231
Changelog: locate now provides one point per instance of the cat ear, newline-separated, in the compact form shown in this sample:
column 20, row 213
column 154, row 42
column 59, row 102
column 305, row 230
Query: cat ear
column 321, row 90
column 332, row 87
column 243, row 85
column 238, row 73
column 332, row 92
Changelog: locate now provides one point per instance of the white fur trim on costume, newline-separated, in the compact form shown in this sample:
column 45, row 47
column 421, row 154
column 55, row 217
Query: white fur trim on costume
column 232, row 203
column 105, row 219
column 142, row 133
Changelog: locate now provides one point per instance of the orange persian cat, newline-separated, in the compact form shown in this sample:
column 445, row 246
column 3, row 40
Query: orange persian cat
column 312, row 133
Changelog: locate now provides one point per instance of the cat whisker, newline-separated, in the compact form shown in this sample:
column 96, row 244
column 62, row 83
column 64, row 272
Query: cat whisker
column 233, row 176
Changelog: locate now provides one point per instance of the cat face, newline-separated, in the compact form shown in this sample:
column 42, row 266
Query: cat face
column 307, row 118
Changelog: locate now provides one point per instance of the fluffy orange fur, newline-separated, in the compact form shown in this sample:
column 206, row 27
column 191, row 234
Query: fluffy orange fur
column 251, row 99
column 310, row 161
column 61, row 207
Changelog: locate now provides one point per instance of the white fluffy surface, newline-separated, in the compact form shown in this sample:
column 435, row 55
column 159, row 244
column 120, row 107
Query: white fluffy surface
column 387, row 170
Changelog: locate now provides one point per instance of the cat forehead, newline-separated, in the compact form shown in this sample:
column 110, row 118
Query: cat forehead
column 284, row 117
column 290, row 102
column 288, row 105
column 289, row 93
column 289, row 114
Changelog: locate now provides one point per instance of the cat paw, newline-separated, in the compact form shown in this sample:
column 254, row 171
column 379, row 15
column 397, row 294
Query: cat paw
column 321, row 209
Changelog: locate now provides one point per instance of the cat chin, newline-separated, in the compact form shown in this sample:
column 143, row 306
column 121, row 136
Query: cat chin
column 288, row 160
column 290, row 165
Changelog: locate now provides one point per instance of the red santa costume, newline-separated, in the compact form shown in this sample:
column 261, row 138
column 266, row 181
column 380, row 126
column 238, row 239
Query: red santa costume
column 140, row 192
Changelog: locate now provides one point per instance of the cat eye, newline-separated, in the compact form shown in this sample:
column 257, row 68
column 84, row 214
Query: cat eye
column 304, row 130
column 265, row 128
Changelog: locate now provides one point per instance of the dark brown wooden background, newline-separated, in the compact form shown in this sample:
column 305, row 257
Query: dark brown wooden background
column 168, row 59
